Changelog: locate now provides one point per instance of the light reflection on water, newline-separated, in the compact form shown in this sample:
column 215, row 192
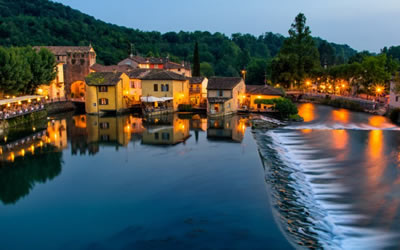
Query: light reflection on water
column 126, row 182
column 338, row 174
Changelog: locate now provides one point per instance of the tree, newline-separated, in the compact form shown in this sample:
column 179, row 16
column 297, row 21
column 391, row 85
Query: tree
column 196, row 60
column 43, row 68
column 256, row 72
column 206, row 69
column 326, row 54
column 298, row 58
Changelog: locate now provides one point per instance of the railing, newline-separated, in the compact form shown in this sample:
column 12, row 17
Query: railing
column 16, row 113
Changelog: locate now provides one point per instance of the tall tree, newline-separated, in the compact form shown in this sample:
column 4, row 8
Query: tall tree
column 326, row 54
column 298, row 58
column 196, row 60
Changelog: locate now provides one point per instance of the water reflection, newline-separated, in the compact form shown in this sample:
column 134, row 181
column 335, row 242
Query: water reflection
column 226, row 128
column 165, row 130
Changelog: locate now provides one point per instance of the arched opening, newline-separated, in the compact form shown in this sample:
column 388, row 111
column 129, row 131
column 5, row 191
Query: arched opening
column 78, row 90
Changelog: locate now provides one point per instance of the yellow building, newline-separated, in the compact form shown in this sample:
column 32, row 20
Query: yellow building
column 166, row 130
column 260, row 92
column 55, row 90
column 165, row 84
column 225, row 95
column 112, row 130
column 230, row 128
column 198, row 91
column 108, row 92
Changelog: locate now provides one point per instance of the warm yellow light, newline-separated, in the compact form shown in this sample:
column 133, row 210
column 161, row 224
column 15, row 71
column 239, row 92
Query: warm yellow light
column 47, row 97
column 258, row 97
column 277, row 86
column 5, row 138
column 330, row 86
column 38, row 99
column 40, row 91
column 126, row 92
column 8, row 105
column 343, row 85
column 29, row 101
column 19, row 103
column 34, row 129
column 12, row 157
column 379, row 89
column 41, row 144
column 13, row 96
column 32, row 149
column 308, row 82
column 23, row 152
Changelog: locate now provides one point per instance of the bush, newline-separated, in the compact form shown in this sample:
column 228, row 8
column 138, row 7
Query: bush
column 284, row 106
column 394, row 115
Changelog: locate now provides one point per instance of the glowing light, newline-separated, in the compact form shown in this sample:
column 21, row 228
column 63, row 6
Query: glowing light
column 258, row 97
column 19, row 103
column 343, row 86
column 32, row 149
column 5, row 138
column 38, row 99
column 22, row 152
column 12, row 157
column 29, row 101
column 308, row 82
column 34, row 129
column 40, row 91
column 8, row 105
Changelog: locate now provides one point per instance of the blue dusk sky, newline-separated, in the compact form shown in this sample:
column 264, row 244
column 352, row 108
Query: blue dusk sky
column 362, row 24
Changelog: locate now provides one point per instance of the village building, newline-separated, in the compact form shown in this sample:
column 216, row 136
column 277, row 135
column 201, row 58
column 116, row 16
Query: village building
column 140, row 62
column 107, row 92
column 56, row 89
column 394, row 98
column 198, row 91
column 111, row 68
column 76, row 62
column 165, row 130
column 164, row 88
column 230, row 129
column 225, row 95
column 260, row 92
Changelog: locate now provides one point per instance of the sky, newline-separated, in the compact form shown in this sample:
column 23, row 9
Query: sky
column 362, row 24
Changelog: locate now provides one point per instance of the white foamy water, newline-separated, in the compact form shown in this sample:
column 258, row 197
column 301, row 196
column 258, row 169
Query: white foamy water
column 314, row 188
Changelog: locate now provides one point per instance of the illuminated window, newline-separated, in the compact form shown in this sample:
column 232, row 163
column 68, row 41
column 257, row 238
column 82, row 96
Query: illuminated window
column 103, row 101
column 103, row 89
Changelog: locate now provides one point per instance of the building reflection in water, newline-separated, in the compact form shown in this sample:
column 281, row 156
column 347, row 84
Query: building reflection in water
column 230, row 128
column 165, row 130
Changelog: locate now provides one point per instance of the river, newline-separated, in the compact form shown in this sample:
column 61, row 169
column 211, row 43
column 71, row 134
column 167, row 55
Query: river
column 188, row 182
column 335, row 179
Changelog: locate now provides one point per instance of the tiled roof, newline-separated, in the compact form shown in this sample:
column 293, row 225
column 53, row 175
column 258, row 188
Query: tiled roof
column 63, row 50
column 103, row 78
column 139, row 73
column 226, row 83
column 163, row 75
column 196, row 80
column 173, row 65
column 263, row 90
column 143, row 60
column 112, row 68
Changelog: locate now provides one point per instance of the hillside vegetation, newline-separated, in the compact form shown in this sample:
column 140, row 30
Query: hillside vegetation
column 42, row 22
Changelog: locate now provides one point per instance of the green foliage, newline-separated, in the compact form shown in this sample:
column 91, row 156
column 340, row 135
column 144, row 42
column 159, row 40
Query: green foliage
column 299, row 57
column 284, row 106
column 196, row 60
column 23, row 69
column 206, row 69
column 42, row 22
column 394, row 115
column 257, row 71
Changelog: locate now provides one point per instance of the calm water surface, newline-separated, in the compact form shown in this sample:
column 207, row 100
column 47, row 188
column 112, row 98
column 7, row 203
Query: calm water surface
column 335, row 179
column 84, row 182
column 185, row 182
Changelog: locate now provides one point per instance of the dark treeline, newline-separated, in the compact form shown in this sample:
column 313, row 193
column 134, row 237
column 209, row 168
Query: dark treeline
column 41, row 22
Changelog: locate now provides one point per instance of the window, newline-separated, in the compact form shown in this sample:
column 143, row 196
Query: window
column 103, row 89
column 220, row 93
column 132, row 84
column 165, row 136
column 397, row 98
column 104, row 125
column 103, row 101
column 156, row 87
column 156, row 136
column 162, row 88
column 166, row 87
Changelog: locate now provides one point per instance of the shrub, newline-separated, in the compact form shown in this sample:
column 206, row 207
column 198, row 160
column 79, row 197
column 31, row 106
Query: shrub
column 284, row 106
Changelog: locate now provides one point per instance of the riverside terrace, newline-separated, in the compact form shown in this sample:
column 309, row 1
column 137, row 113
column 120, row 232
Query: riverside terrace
column 19, row 106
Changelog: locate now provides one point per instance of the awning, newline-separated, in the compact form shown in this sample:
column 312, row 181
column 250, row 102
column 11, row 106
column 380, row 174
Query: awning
column 155, row 99
column 19, row 99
